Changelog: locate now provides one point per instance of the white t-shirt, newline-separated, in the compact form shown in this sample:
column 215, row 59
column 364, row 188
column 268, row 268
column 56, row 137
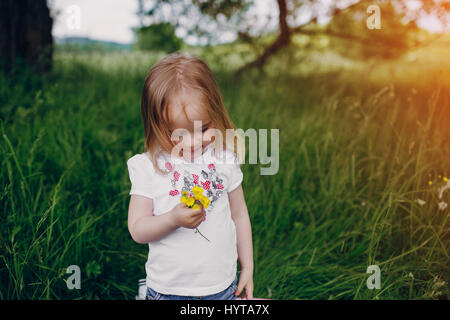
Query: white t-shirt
column 183, row 262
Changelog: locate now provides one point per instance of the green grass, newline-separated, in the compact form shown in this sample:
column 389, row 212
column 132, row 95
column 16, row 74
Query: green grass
column 354, row 157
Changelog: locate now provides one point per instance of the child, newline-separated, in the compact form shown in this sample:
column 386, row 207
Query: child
column 193, row 252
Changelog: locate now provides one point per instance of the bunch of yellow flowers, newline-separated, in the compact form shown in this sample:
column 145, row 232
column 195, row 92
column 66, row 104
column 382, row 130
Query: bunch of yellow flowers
column 194, row 198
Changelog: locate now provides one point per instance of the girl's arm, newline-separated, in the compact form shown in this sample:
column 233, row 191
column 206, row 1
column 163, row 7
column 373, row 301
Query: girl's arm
column 145, row 227
column 239, row 214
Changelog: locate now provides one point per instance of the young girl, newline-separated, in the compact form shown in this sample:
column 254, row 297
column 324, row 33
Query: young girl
column 193, row 252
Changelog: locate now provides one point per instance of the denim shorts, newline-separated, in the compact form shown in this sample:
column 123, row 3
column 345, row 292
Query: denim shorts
column 227, row 294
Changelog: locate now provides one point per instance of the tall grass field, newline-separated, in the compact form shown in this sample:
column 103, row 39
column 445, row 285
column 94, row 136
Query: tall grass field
column 363, row 155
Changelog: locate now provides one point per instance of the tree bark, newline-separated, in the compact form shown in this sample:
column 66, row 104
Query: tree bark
column 26, row 34
column 282, row 40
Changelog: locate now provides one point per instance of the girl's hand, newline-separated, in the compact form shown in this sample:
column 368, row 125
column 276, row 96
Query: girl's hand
column 245, row 282
column 183, row 216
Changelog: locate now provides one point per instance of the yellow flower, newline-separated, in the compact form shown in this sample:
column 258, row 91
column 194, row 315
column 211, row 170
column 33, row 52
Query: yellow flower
column 198, row 196
column 205, row 201
column 430, row 183
column 197, row 199
column 197, row 190
column 190, row 201
column 445, row 179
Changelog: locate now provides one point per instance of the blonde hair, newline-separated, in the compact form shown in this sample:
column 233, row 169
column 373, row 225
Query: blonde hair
column 165, row 80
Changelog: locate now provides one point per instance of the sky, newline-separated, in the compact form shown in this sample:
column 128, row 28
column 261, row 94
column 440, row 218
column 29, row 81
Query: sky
column 113, row 20
column 109, row 20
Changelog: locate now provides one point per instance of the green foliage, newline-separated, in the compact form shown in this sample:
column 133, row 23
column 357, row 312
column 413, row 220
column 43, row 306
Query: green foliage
column 225, row 7
column 393, row 39
column 158, row 37
column 85, row 44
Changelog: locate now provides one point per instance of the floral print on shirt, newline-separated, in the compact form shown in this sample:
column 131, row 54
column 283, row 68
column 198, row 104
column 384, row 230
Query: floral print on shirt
column 209, row 180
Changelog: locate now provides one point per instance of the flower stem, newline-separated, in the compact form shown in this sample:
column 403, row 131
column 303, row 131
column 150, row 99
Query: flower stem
column 202, row 234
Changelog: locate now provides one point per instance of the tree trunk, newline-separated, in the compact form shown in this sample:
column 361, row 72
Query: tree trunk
column 26, row 34
column 282, row 40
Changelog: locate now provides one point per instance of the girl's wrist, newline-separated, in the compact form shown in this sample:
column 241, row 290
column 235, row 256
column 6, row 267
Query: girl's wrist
column 248, row 267
column 172, row 218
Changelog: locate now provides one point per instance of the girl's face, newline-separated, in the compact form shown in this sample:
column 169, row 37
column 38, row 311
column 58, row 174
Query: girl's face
column 184, row 119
